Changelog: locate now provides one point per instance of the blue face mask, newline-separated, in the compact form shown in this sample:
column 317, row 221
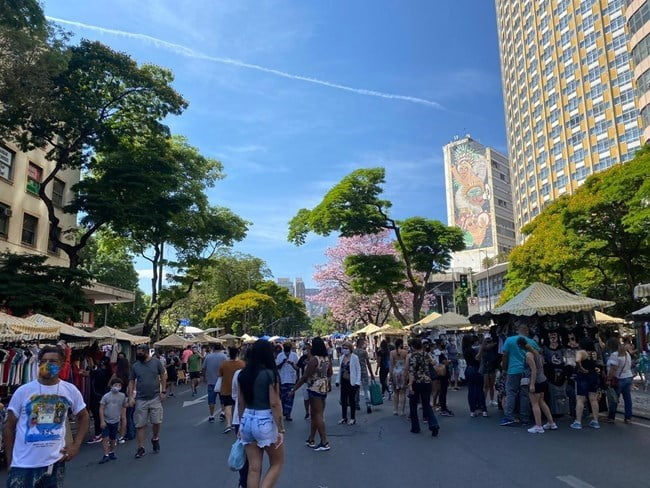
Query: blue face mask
column 49, row 370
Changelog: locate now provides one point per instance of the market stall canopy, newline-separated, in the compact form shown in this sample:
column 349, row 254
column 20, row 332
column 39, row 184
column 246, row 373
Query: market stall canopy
column 641, row 314
column 426, row 320
column 64, row 329
column 247, row 338
column 206, row 339
column 119, row 335
column 368, row 329
column 642, row 291
column 189, row 330
column 603, row 318
column 212, row 329
column 543, row 299
column 173, row 340
column 449, row 320
column 17, row 329
column 389, row 330
column 228, row 337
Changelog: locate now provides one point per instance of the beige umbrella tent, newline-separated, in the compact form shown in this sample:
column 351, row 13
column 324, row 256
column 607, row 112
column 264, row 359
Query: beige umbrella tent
column 64, row 329
column 14, row 329
column 173, row 340
column 367, row 330
column 449, row 321
column 119, row 335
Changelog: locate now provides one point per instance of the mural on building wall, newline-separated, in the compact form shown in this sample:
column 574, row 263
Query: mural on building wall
column 472, row 194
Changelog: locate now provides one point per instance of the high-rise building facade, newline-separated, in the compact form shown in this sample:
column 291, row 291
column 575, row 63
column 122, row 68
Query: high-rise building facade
column 637, row 13
column 288, row 284
column 299, row 289
column 479, row 200
column 569, row 101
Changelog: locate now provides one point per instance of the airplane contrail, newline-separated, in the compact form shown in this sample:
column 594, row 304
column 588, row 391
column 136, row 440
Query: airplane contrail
column 191, row 53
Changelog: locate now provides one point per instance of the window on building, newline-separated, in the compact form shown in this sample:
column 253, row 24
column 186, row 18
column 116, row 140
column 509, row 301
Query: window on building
column 58, row 191
column 52, row 248
column 30, row 226
column 34, row 178
column 639, row 18
column 5, row 215
column 6, row 163
column 641, row 50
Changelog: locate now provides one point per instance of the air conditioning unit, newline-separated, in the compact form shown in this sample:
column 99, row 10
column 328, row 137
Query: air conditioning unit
column 5, row 211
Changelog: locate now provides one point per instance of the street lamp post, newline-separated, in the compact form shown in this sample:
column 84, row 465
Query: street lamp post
column 487, row 278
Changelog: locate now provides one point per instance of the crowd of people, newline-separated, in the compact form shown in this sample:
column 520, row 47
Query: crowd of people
column 531, row 379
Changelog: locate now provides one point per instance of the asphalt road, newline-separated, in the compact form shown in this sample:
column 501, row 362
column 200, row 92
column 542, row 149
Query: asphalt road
column 380, row 452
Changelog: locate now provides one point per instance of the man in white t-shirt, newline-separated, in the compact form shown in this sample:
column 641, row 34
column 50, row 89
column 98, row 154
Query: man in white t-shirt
column 287, row 363
column 35, row 430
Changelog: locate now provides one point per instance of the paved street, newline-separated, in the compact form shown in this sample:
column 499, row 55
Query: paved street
column 380, row 452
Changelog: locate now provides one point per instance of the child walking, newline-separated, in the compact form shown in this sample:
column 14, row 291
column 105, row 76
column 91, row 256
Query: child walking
column 112, row 411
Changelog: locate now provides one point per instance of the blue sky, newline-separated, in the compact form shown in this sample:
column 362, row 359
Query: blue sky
column 283, row 140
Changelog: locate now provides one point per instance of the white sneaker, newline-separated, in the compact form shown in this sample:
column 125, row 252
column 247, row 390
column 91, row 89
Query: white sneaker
column 494, row 403
column 550, row 426
column 536, row 430
column 485, row 414
column 472, row 414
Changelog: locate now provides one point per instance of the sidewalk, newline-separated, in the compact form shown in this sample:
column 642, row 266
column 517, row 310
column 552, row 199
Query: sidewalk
column 640, row 402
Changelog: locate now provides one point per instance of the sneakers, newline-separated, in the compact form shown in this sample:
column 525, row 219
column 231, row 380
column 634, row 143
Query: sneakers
column 435, row 430
column 446, row 413
column 576, row 425
column 352, row 422
column 211, row 419
column 607, row 420
column 121, row 440
column 310, row 444
column 494, row 403
column 472, row 414
column 306, row 416
column 222, row 417
column 112, row 456
column 536, row 429
column 594, row 424
column 139, row 453
column 368, row 409
column 155, row 443
column 506, row 421
column 288, row 418
column 105, row 459
column 485, row 414
column 322, row 447
column 95, row 440
column 550, row 426
column 227, row 430
column 343, row 421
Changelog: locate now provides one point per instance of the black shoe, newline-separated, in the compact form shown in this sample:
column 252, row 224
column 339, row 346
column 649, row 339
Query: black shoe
column 156, row 445
column 434, row 431
column 415, row 431
column 368, row 409
column 104, row 459
column 306, row 416
column 288, row 418
column 358, row 408
column 139, row 453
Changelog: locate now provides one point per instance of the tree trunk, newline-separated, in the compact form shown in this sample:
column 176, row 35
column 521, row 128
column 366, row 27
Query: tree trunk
column 396, row 311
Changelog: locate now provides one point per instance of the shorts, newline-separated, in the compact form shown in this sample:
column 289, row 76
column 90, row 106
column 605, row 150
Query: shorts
column 453, row 366
column 110, row 431
column 315, row 394
column 541, row 387
column 227, row 401
column 147, row 412
column 258, row 426
column 587, row 383
column 195, row 375
column 23, row 477
column 212, row 395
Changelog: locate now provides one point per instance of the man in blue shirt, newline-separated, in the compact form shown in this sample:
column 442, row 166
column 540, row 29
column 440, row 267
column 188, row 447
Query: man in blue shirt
column 513, row 365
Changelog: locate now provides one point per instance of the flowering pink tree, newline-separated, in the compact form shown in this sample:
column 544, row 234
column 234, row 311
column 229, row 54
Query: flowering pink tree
column 346, row 305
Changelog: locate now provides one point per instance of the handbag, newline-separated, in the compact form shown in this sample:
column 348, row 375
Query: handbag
column 237, row 457
column 375, row 394
column 217, row 386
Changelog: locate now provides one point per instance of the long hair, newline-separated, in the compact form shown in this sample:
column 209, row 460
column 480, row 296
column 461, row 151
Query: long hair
column 260, row 358
column 123, row 370
column 399, row 344
column 467, row 342
column 383, row 346
column 318, row 347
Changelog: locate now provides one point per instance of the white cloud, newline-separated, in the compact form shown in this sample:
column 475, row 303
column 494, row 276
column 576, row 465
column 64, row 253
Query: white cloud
column 145, row 274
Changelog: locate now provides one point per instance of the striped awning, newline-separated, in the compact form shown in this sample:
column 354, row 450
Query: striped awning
column 449, row 320
column 642, row 291
column 45, row 322
column 543, row 299
column 368, row 329
column 641, row 314
column 16, row 328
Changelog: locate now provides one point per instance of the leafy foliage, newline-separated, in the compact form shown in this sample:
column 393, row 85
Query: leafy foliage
column 28, row 286
column 243, row 313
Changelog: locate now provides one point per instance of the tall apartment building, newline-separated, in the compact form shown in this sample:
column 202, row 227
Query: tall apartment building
column 24, row 223
column 479, row 200
column 569, row 101
column 288, row 284
column 637, row 13
column 299, row 289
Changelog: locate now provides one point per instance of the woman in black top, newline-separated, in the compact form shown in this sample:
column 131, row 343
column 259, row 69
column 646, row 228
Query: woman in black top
column 474, row 379
column 383, row 366
column 260, row 412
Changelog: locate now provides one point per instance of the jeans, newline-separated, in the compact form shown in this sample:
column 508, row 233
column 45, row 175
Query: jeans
column 365, row 389
column 130, row 423
column 287, row 398
column 348, row 395
column 514, row 390
column 475, row 393
column 442, row 397
column 383, row 379
column 624, row 388
column 94, row 410
column 421, row 393
column 36, row 477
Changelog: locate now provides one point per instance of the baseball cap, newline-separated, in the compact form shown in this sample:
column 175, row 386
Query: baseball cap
column 142, row 346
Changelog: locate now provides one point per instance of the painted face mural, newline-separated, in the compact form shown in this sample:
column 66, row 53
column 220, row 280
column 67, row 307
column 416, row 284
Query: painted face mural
column 472, row 195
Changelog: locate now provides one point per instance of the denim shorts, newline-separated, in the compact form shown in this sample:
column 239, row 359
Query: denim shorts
column 28, row 477
column 212, row 395
column 258, row 426
column 587, row 383
column 110, row 431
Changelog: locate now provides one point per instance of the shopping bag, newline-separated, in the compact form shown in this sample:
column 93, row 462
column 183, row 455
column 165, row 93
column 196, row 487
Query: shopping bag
column 559, row 401
column 375, row 394
column 217, row 386
column 237, row 456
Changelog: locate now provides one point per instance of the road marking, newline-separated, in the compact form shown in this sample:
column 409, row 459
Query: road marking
column 641, row 425
column 201, row 422
column 195, row 402
column 574, row 482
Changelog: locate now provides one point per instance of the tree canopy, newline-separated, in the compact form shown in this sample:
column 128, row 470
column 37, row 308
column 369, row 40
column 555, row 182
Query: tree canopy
column 353, row 207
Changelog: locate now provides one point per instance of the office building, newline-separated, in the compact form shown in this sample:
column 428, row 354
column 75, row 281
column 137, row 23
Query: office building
column 569, row 101
column 488, row 285
column 299, row 289
column 24, row 222
column 288, row 284
column 637, row 13
column 479, row 200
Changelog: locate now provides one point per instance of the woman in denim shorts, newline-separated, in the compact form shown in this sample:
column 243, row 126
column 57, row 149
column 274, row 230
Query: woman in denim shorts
column 260, row 412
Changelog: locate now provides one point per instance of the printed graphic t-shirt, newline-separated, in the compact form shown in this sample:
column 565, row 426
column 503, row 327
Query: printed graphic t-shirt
column 41, row 412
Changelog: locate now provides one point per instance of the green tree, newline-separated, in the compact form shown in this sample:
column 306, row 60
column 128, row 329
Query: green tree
column 97, row 98
column 353, row 207
column 243, row 313
column 322, row 326
column 28, row 286
column 595, row 242
column 460, row 297
column 289, row 315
